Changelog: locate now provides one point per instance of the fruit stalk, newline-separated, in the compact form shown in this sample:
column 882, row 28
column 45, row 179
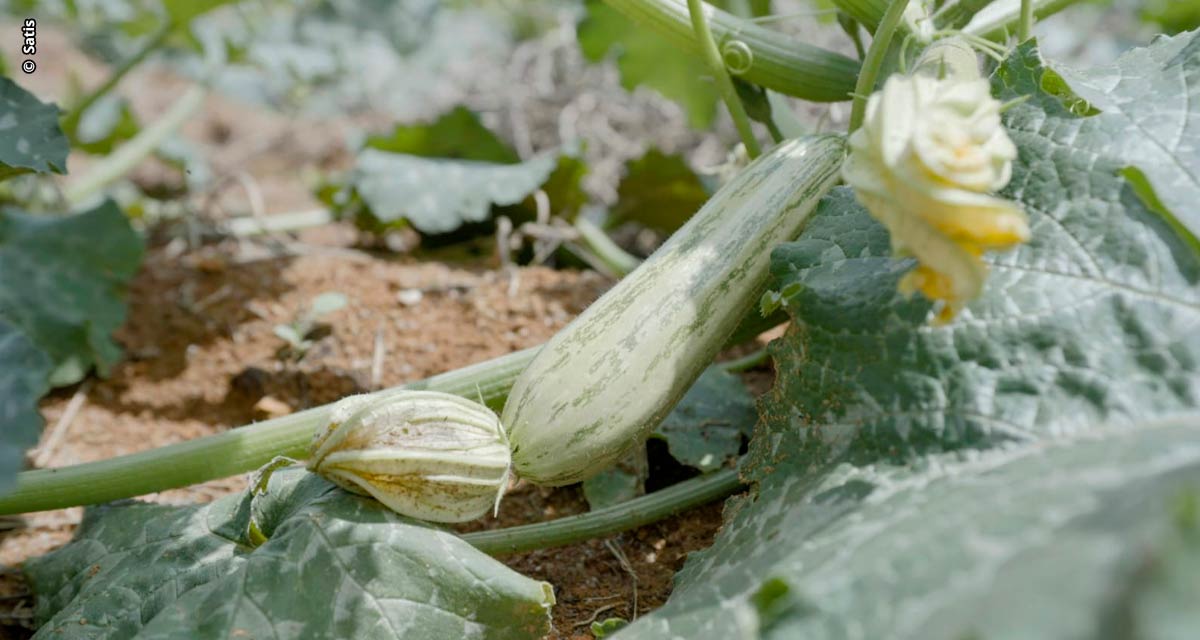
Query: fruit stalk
column 778, row 61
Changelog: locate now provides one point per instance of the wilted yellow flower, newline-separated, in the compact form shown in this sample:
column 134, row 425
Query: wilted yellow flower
column 423, row 454
column 928, row 152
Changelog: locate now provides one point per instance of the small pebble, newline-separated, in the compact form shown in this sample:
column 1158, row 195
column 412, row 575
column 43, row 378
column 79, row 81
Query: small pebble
column 271, row 407
column 410, row 297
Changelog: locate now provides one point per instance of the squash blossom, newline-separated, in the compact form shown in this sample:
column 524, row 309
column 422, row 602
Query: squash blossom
column 928, row 154
column 423, row 454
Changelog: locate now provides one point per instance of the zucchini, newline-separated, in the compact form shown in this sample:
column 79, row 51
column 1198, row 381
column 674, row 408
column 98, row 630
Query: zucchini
column 600, row 385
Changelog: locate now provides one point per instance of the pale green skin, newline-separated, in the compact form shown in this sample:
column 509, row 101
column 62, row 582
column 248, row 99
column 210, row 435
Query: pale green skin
column 605, row 381
column 423, row 454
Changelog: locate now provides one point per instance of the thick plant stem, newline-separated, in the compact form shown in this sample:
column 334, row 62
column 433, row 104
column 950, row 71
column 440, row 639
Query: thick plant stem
column 248, row 448
column 1025, row 28
column 778, row 61
column 70, row 121
column 125, row 158
column 708, row 49
column 609, row 520
column 874, row 61
column 229, row 453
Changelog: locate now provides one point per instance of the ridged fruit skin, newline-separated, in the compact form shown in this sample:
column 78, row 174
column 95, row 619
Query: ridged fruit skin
column 603, row 382
column 423, row 454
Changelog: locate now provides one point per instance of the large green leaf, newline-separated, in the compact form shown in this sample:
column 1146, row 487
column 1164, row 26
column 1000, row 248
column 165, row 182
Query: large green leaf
column 441, row 175
column 660, row 191
column 1149, row 104
column 23, row 371
column 63, row 284
column 457, row 134
column 333, row 565
column 30, row 138
column 646, row 58
column 438, row 196
column 708, row 426
column 1003, row 476
column 1077, row 537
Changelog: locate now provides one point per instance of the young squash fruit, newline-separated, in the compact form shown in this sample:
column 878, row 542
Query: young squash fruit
column 606, row 380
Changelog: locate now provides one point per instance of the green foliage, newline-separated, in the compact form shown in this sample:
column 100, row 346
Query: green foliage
column 30, row 139
column 659, row 191
column 608, row 627
column 22, row 383
column 708, row 426
column 322, row 563
column 645, row 58
column 704, row 431
column 1013, row 474
column 612, row 486
column 1147, row 103
column 451, row 172
column 745, row 8
column 457, row 134
column 108, row 123
column 64, row 280
column 1070, row 538
column 1174, row 16
column 439, row 196
column 182, row 12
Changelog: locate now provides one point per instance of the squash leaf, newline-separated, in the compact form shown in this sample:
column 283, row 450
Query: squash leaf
column 660, row 191
column 22, row 383
column 64, row 283
column 439, row 196
column 705, row 431
column 30, row 138
column 333, row 565
column 709, row 425
column 457, row 134
column 451, row 172
column 646, row 58
column 1017, row 473
column 1147, row 104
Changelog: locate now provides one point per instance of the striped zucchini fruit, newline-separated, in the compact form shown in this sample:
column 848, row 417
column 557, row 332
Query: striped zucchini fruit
column 605, row 381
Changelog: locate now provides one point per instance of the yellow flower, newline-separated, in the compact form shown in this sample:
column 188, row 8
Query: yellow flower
column 929, row 152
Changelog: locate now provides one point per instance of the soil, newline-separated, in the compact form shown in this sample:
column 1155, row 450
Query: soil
column 202, row 355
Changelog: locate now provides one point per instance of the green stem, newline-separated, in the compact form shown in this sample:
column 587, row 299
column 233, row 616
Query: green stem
column 1025, row 28
column 250, row 447
column 708, row 49
column 997, row 25
column 613, row 257
column 778, row 62
column 746, row 362
column 867, row 12
column 874, row 61
column 956, row 15
column 124, row 159
column 609, row 520
column 248, row 226
column 70, row 121
column 229, row 453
